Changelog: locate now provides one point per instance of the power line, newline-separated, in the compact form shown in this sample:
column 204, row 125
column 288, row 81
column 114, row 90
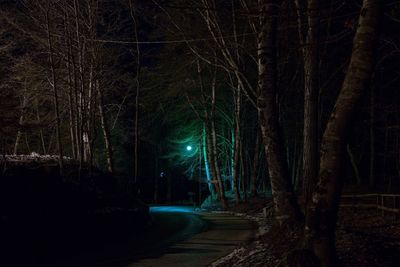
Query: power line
column 168, row 41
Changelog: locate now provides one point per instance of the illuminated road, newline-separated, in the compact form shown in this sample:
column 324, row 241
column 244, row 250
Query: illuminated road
column 177, row 237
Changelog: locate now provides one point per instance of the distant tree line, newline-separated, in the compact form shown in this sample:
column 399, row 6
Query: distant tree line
column 64, row 86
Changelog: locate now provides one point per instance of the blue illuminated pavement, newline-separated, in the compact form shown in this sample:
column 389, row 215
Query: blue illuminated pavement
column 183, row 209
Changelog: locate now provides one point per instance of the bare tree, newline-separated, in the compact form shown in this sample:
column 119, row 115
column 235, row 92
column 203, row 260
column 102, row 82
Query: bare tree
column 54, row 84
column 322, row 210
column 284, row 203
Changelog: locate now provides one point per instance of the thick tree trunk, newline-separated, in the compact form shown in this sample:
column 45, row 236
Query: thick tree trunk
column 322, row 210
column 283, row 196
column 310, row 130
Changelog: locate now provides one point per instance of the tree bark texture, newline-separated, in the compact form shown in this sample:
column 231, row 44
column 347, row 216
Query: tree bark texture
column 283, row 197
column 322, row 210
column 311, row 86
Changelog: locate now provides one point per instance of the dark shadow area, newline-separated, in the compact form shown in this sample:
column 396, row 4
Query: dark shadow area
column 46, row 219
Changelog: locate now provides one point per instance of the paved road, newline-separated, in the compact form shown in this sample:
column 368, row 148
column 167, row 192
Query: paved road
column 224, row 233
column 177, row 237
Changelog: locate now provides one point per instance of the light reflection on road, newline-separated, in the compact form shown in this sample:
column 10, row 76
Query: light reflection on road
column 184, row 209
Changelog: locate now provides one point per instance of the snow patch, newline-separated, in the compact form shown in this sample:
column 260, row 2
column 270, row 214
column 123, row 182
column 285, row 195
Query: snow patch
column 247, row 256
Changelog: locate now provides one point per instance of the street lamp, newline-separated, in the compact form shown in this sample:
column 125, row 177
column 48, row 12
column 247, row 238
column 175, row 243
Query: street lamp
column 190, row 148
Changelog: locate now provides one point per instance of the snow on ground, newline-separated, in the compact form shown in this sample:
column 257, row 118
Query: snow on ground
column 254, row 255
column 33, row 157
column 250, row 255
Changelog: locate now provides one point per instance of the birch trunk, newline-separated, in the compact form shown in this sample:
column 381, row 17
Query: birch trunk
column 106, row 132
column 236, row 144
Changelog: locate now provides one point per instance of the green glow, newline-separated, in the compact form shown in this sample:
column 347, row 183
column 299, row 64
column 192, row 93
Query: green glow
column 188, row 148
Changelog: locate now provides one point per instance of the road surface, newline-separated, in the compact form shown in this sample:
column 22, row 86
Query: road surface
column 177, row 237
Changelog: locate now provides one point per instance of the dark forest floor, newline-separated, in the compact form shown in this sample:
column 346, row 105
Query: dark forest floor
column 363, row 238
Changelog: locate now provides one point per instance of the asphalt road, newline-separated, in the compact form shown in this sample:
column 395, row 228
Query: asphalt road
column 178, row 236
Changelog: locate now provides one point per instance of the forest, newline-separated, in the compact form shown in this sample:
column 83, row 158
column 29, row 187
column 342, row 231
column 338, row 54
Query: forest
column 294, row 103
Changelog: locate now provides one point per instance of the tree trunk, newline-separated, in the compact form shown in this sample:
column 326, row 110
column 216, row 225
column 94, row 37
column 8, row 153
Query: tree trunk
column 136, row 148
column 76, row 108
column 217, row 170
column 243, row 171
column 213, row 135
column 236, row 144
column 55, row 94
column 310, row 130
column 283, row 197
column 21, row 120
column 372, row 138
column 354, row 164
column 156, row 195
column 71, row 99
column 106, row 132
column 322, row 210
column 256, row 160
column 206, row 162
column 80, row 88
column 90, row 111
column 42, row 142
